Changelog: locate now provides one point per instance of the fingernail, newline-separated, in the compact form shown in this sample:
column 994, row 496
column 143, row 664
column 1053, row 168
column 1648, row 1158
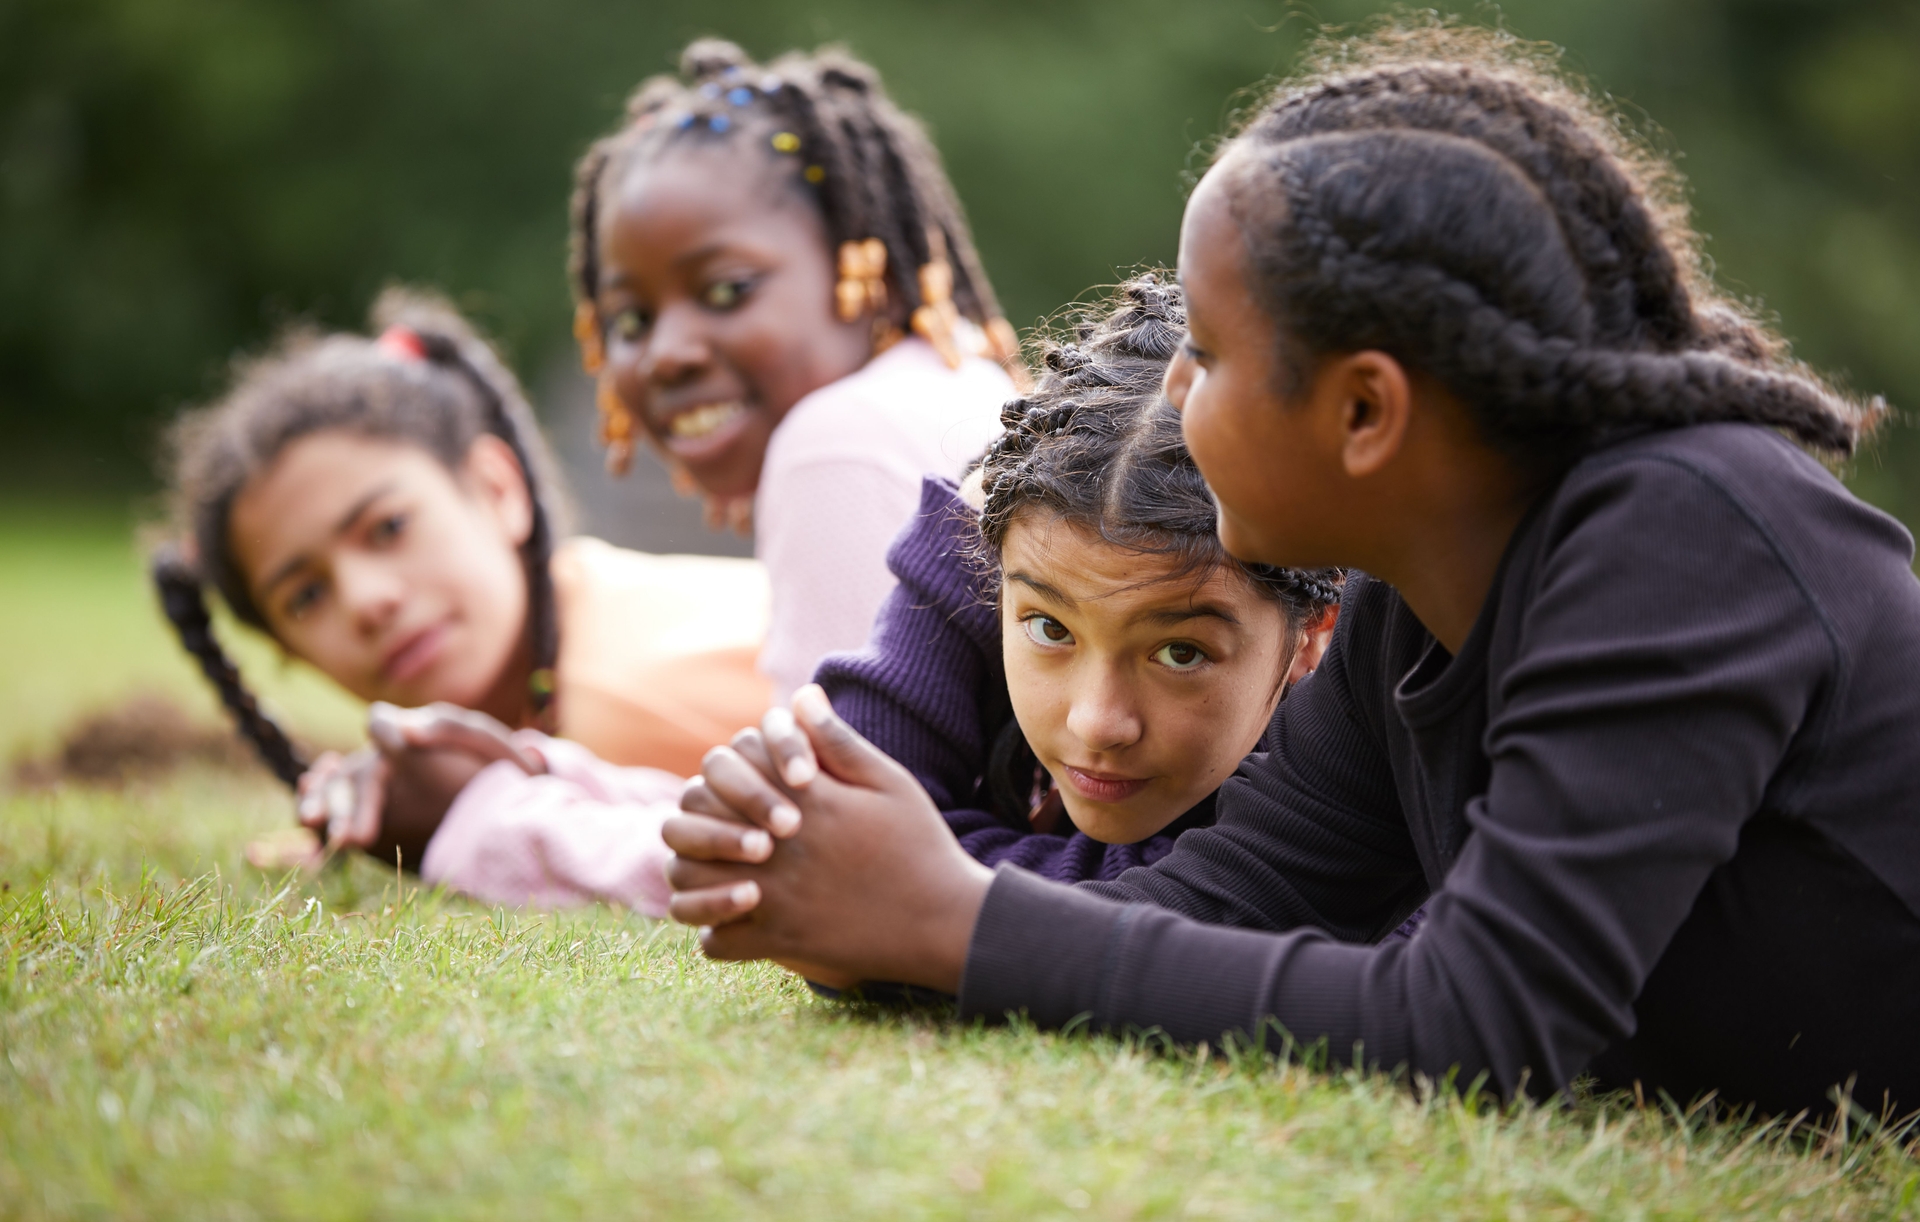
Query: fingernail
column 785, row 820
column 801, row 770
column 756, row 845
column 745, row 894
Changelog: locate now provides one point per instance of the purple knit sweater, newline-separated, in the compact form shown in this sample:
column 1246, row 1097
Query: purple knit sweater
column 930, row 689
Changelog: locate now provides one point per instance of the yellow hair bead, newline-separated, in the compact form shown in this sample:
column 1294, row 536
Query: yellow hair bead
column 786, row 142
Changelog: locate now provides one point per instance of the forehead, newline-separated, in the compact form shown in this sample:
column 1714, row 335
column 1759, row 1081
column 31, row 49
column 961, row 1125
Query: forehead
column 690, row 193
column 295, row 501
column 1110, row 582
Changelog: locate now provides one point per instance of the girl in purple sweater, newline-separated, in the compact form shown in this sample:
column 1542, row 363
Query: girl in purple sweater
column 1073, row 672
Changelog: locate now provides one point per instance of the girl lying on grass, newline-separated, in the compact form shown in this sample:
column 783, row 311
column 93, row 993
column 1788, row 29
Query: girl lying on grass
column 385, row 510
column 776, row 284
column 1627, row 699
column 1115, row 665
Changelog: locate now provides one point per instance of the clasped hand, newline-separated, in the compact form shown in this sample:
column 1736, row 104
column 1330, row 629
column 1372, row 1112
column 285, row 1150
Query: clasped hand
column 391, row 795
column 805, row 844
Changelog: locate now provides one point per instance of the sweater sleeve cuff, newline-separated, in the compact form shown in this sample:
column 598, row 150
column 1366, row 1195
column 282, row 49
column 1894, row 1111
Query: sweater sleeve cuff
column 1038, row 948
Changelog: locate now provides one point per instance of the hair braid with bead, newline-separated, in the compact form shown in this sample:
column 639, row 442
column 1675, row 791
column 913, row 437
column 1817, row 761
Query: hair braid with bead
column 440, row 388
column 1481, row 221
column 867, row 165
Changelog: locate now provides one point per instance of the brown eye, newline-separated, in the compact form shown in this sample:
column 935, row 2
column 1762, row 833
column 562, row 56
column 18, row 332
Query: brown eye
column 1180, row 655
column 1045, row 630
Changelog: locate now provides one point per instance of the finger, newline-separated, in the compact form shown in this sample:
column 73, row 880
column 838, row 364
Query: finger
column 714, row 905
column 701, row 838
column 310, row 804
column 749, row 794
column 362, row 826
column 471, row 735
column 686, row 874
column 753, row 748
column 838, row 746
column 698, row 799
column 788, row 746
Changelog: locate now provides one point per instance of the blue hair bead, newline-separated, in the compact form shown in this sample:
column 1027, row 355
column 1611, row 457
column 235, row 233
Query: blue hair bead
column 739, row 95
column 718, row 123
column 684, row 122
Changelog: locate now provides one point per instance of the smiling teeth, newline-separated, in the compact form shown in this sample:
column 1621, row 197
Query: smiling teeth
column 701, row 421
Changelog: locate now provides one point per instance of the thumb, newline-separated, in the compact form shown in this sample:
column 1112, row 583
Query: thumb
column 842, row 753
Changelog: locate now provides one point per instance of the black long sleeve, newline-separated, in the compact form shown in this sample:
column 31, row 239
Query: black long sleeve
column 1698, row 637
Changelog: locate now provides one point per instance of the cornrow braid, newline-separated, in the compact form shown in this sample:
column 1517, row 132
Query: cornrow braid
column 868, row 166
column 436, row 385
column 1479, row 220
column 185, row 605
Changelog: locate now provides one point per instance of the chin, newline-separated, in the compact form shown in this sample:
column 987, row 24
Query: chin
column 1112, row 826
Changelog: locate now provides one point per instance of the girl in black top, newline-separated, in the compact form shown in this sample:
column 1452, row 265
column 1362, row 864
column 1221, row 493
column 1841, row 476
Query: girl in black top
column 1630, row 703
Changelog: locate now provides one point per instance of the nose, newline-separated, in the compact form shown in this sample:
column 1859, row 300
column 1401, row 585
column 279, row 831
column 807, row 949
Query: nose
column 371, row 593
column 676, row 350
column 1104, row 715
column 1182, row 372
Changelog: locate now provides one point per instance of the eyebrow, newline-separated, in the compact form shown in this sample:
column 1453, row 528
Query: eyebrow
column 341, row 527
column 1161, row 617
column 1168, row 616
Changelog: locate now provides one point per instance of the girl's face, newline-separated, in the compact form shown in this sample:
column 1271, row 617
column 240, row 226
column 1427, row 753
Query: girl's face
column 717, row 294
column 399, row 579
column 1139, row 689
column 1272, row 469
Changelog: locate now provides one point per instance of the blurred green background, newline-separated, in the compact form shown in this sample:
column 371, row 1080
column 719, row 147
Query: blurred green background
column 180, row 177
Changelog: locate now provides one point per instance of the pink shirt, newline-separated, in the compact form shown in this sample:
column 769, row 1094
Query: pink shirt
column 842, row 476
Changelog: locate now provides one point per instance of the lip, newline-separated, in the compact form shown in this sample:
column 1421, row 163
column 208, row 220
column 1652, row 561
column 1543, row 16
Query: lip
column 716, row 425
column 415, row 653
column 1102, row 786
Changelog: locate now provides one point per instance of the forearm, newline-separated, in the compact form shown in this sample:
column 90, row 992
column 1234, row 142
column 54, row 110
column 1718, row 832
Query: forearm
column 551, row 841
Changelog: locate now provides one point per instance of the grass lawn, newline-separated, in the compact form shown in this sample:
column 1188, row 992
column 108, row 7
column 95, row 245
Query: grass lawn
column 181, row 1036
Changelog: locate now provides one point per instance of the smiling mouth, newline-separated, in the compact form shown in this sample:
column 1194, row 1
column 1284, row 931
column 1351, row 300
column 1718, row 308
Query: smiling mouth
column 415, row 654
column 699, row 423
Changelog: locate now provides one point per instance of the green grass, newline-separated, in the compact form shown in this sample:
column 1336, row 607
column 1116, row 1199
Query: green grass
column 183, row 1037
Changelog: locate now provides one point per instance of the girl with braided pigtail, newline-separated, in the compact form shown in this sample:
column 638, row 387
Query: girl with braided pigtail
column 385, row 509
column 1625, row 701
column 1071, row 664
column 777, row 290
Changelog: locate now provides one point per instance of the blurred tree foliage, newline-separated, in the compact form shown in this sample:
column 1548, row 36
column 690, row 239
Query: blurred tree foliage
column 180, row 177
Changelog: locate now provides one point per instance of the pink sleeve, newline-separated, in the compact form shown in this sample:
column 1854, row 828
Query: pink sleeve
column 824, row 529
column 586, row 831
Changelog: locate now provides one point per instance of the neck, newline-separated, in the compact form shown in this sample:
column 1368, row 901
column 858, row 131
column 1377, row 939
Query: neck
column 1450, row 535
column 510, row 700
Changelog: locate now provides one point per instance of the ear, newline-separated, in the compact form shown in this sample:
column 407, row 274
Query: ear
column 492, row 474
column 1369, row 396
column 1313, row 646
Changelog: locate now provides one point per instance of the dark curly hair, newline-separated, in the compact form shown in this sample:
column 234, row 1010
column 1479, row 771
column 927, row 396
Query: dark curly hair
column 1444, row 195
column 454, row 391
column 867, row 165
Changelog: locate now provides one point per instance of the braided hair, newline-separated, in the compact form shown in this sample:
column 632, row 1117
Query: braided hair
column 1095, row 444
column 430, row 381
column 1443, row 197
column 868, row 166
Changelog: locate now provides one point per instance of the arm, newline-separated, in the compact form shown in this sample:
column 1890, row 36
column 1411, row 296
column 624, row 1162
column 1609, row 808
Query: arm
column 585, row 831
column 1640, row 723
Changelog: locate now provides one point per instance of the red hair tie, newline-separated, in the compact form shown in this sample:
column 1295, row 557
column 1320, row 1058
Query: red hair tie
column 402, row 342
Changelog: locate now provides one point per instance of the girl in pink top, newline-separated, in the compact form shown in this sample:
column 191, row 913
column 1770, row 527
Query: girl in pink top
column 777, row 291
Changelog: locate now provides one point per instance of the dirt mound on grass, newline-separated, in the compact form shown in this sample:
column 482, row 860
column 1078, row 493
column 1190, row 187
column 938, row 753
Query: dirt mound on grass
column 141, row 737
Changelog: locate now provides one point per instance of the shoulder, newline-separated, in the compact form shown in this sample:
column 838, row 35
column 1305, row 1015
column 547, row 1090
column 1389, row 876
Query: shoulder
column 1715, row 491
column 902, row 408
